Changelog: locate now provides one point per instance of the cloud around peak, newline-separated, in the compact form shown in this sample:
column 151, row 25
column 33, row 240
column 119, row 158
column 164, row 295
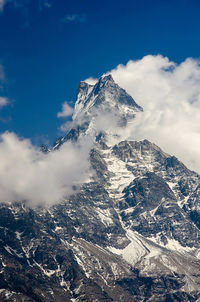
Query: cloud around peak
column 170, row 96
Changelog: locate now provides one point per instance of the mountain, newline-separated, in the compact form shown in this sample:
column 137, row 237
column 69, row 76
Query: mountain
column 130, row 233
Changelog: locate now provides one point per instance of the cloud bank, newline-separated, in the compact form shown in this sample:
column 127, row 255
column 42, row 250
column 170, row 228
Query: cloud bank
column 41, row 179
column 170, row 96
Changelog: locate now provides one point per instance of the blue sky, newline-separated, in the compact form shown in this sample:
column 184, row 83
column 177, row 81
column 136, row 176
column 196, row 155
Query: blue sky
column 48, row 47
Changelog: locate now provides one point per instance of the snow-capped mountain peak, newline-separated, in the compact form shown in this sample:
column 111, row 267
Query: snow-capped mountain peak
column 103, row 108
column 104, row 96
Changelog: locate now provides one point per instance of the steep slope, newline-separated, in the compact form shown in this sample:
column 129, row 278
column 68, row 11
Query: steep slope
column 131, row 233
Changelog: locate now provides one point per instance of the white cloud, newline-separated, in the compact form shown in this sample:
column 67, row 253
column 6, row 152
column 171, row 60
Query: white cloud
column 3, row 101
column 170, row 96
column 28, row 174
column 67, row 110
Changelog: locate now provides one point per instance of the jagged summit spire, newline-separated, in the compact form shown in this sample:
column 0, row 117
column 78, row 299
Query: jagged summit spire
column 84, row 86
column 106, row 95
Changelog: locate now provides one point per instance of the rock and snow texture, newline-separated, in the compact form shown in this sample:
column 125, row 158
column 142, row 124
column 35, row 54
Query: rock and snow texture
column 106, row 96
column 131, row 233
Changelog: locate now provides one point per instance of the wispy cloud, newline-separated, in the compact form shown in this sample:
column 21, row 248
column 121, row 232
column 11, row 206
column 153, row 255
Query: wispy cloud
column 23, row 5
column 44, row 4
column 3, row 101
column 73, row 18
column 47, row 4
column 2, row 74
column 2, row 4
column 67, row 110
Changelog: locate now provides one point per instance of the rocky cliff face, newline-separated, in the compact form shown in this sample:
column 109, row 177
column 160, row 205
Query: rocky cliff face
column 131, row 233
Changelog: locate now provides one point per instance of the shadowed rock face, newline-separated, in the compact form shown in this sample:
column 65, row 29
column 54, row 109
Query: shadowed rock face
column 131, row 233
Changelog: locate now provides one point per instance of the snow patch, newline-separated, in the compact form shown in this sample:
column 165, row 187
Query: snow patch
column 133, row 252
column 104, row 216
column 121, row 176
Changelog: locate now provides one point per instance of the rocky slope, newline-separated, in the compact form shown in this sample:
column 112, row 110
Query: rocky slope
column 131, row 233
